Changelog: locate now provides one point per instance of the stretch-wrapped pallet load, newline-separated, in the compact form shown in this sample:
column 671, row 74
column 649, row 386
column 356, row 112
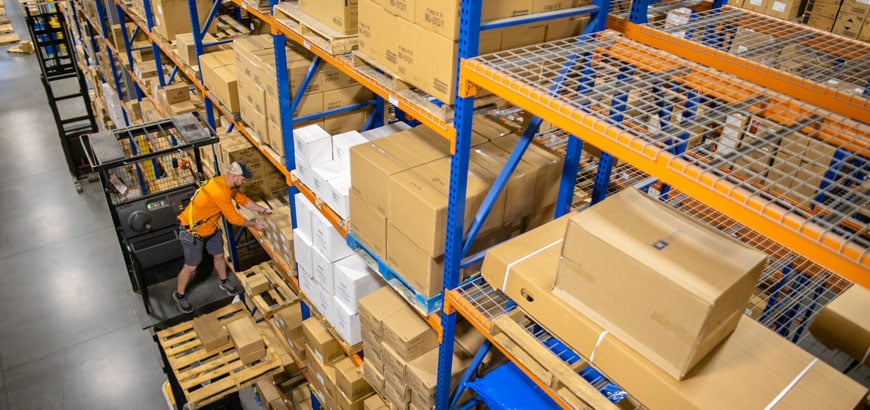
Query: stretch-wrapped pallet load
column 656, row 307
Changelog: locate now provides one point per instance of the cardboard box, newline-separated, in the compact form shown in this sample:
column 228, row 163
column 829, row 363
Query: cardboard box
column 350, row 381
column 422, row 375
column 375, row 162
column 247, row 339
column 375, row 403
column 339, row 15
column 848, row 24
column 312, row 145
column 219, row 76
column 186, row 49
column 407, row 334
column 858, row 7
column 680, row 286
column 373, row 376
column 173, row 16
column 324, row 347
column 844, row 324
column 269, row 395
column 396, row 391
column 377, row 39
column 341, row 145
column 369, row 225
column 343, row 97
column 755, row 363
column 324, row 375
column 784, row 9
column 377, row 306
column 746, row 40
column 427, row 60
column 418, row 203
column 289, row 322
column 210, row 332
column 819, row 152
column 354, row 280
column 825, row 9
column 548, row 164
column 346, row 121
column 327, row 240
column 756, row 5
column 393, row 362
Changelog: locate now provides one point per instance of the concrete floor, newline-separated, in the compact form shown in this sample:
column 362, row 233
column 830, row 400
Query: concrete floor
column 69, row 338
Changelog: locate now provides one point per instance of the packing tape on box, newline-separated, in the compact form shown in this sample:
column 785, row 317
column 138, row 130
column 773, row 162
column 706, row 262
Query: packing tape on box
column 791, row 385
column 597, row 343
column 507, row 269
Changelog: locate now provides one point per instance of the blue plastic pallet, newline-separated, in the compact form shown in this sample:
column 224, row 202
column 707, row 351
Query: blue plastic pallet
column 424, row 304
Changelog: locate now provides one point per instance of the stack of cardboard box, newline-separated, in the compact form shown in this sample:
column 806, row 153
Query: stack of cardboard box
column 403, row 221
column 658, row 299
column 219, row 76
column 330, row 274
column 401, row 351
column 288, row 321
column 338, row 383
column 417, row 39
column 328, row 89
column 247, row 339
column 267, row 179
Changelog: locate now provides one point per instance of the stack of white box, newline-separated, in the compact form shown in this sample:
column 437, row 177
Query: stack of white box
column 331, row 275
column 323, row 161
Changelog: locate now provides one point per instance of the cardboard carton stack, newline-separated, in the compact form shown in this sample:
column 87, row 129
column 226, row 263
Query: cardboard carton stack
column 267, row 179
column 338, row 383
column 339, row 15
column 852, row 20
column 330, row 274
column 328, row 89
column 658, row 298
column 793, row 165
column 401, row 351
column 219, row 76
column 173, row 16
column 417, row 40
column 186, row 50
column 824, row 14
column 403, row 221
column 247, row 339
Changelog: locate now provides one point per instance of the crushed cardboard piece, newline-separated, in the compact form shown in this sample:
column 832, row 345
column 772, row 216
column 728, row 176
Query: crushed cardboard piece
column 9, row 39
column 24, row 47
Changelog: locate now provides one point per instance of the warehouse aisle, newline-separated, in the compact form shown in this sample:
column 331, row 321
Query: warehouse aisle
column 69, row 338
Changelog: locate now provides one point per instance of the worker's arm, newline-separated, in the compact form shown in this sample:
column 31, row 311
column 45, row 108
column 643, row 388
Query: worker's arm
column 257, row 208
column 233, row 217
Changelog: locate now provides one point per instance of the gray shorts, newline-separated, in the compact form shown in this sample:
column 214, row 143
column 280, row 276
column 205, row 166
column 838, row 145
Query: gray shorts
column 193, row 247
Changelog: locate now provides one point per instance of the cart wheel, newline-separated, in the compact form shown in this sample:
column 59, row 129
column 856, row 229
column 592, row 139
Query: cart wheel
column 92, row 177
column 78, row 186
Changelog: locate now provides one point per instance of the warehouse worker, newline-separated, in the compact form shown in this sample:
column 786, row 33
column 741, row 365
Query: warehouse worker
column 200, row 226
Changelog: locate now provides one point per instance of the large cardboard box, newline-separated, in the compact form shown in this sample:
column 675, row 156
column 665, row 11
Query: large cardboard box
column 827, row 9
column 377, row 39
column 324, row 347
column 377, row 306
column 859, row 7
column 374, row 163
column 368, row 224
column 665, row 285
column 844, row 324
column 422, row 376
column 219, row 75
column 427, row 60
column 784, row 9
column 407, row 334
column 186, row 49
column 173, row 16
column 374, row 376
column 350, row 380
column 848, row 24
column 754, row 363
column 756, row 5
column 340, row 15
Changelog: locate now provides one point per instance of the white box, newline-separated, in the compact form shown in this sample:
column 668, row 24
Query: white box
column 323, row 271
column 346, row 323
column 312, row 145
column 325, row 172
column 327, row 240
column 302, row 248
column 304, row 172
column 307, row 284
column 341, row 145
column 354, row 280
column 339, row 196
column 326, row 305
column 386, row 130
column 303, row 215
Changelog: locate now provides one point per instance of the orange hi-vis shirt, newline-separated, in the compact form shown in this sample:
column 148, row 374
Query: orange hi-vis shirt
column 213, row 200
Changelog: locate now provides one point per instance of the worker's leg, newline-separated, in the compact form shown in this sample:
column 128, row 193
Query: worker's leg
column 192, row 257
column 184, row 277
column 220, row 265
column 215, row 247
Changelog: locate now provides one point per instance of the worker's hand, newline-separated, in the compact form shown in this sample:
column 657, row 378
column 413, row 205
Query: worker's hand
column 259, row 225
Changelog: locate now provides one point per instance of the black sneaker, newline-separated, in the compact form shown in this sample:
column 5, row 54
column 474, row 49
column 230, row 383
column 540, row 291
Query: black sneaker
column 182, row 302
column 229, row 288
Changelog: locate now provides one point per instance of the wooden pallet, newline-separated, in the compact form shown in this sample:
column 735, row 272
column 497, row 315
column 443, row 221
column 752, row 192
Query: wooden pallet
column 334, row 42
column 394, row 82
column 206, row 377
column 277, row 297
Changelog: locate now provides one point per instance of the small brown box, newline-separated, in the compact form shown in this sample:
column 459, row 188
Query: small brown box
column 211, row 333
column 408, row 335
column 247, row 339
